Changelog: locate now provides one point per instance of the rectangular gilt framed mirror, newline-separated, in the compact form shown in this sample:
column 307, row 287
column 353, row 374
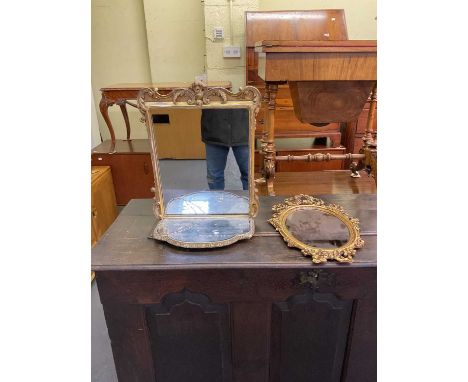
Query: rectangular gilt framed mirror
column 202, row 141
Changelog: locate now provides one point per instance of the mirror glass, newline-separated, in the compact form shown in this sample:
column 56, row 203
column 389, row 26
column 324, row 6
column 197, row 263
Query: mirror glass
column 317, row 228
column 202, row 152
column 211, row 229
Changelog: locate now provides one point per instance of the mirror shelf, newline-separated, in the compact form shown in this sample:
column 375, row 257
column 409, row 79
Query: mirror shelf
column 208, row 203
column 204, row 218
column 204, row 231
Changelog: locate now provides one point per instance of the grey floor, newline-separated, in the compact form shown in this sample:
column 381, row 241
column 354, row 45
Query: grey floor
column 191, row 174
column 102, row 363
column 175, row 174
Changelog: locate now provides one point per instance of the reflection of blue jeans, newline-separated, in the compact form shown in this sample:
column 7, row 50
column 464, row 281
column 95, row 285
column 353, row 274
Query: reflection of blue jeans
column 216, row 157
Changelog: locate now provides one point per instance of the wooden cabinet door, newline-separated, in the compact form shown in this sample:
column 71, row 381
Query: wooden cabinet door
column 94, row 227
column 132, row 174
column 249, row 325
column 103, row 205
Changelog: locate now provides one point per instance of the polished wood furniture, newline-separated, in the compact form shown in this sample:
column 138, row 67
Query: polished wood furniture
column 298, row 61
column 302, row 166
column 121, row 94
column 133, row 175
column 132, row 170
column 103, row 204
column 293, row 25
column 254, row 311
column 330, row 81
column 354, row 133
column 320, row 183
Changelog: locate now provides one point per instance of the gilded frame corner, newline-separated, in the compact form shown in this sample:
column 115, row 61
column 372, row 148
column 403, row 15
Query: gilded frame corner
column 343, row 254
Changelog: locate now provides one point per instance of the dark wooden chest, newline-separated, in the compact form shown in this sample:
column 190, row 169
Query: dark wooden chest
column 254, row 311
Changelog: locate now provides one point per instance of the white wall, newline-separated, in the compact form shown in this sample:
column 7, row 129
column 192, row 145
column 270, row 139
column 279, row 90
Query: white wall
column 217, row 14
column 171, row 40
column 176, row 43
column 95, row 135
column 119, row 53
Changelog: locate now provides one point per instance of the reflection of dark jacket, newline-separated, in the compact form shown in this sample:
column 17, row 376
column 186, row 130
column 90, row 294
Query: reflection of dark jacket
column 225, row 127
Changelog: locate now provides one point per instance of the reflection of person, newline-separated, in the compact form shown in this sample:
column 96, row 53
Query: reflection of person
column 222, row 129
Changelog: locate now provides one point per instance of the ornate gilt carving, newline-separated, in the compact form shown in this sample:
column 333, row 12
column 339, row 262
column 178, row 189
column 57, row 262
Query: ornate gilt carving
column 221, row 243
column 142, row 95
column 198, row 95
column 342, row 254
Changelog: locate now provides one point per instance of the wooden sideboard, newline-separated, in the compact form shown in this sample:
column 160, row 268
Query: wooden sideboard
column 251, row 312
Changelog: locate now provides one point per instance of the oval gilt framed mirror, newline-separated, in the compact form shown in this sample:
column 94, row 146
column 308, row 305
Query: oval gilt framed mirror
column 324, row 232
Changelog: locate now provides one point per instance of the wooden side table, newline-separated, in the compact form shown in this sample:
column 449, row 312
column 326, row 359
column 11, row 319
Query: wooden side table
column 120, row 94
column 320, row 74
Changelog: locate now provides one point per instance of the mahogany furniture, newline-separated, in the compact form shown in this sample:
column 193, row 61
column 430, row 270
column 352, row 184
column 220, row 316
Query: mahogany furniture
column 320, row 182
column 255, row 311
column 330, row 81
column 120, row 94
column 354, row 134
column 130, row 162
column 302, row 166
column 293, row 25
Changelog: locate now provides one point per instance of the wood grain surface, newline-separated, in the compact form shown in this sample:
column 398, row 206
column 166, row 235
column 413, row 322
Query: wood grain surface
column 126, row 246
column 161, row 85
column 317, row 24
column 103, row 203
column 321, row 183
column 239, row 313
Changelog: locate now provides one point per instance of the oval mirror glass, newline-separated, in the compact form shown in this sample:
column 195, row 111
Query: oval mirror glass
column 317, row 228
column 323, row 232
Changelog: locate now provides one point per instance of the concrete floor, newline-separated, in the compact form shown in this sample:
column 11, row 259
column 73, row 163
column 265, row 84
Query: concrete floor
column 191, row 174
column 102, row 362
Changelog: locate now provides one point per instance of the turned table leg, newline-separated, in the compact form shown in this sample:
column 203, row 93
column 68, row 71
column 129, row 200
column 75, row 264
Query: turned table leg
column 368, row 136
column 348, row 140
column 104, row 106
column 269, row 149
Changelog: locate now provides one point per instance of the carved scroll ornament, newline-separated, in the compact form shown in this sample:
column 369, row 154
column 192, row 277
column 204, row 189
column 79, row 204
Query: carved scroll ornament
column 198, row 94
column 343, row 253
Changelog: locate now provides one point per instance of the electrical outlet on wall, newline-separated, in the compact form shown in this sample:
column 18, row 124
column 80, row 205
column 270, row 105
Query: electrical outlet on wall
column 202, row 78
column 231, row 51
column 218, row 33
